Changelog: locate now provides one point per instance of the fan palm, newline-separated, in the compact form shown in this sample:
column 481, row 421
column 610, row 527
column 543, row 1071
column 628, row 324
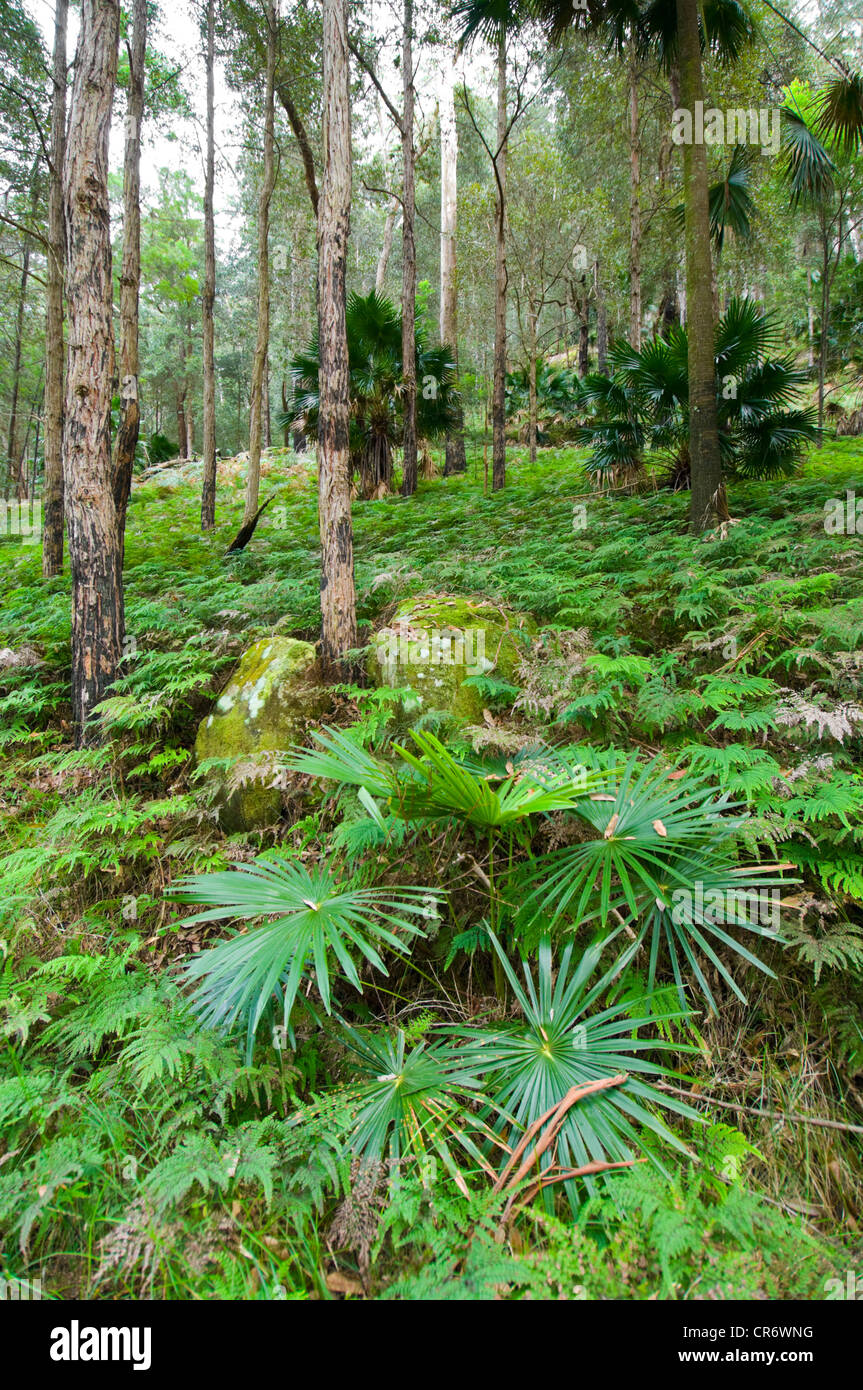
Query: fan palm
column 316, row 919
column 440, row 788
column 658, row 853
column 374, row 330
column 677, row 32
column 646, row 402
column 559, row 1043
column 415, row 1102
column 732, row 206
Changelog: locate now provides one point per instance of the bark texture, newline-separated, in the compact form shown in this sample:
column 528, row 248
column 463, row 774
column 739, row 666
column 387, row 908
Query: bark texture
column 52, row 490
column 498, row 408
column 130, row 274
column 208, row 298
column 94, row 542
column 259, row 364
column 455, row 461
column 409, row 263
column 634, row 211
column 338, row 600
column 707, row 504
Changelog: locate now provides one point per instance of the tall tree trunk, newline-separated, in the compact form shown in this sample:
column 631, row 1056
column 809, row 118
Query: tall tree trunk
column 94, row 549
column 532, row 402
column 286, row 429
column 455, row 460
column 810, row 322
column 130, row 274
column 825, row 316
column 265, row 406
column 17, row 483
column 338, row 598
column 634, row 210
column 181, row 413
column 409, row 263
column 498, row 409
column 583, row 306
column 601, row 319
column 707, row 504
column 259, row 363
column 52, row 488
column 386, row 245
column 208, row 298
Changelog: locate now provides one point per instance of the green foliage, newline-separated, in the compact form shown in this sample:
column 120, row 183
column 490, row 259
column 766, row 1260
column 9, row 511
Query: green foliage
column 645, row 402
column 735, row 656
column 316, row 919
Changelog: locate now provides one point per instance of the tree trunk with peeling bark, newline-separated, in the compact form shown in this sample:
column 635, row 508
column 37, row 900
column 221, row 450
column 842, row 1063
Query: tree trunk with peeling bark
column 130, row 274
column 208, row 298
column 52, row 488
column 259, row 364
column 634, row 211
column 409, row 263
column 338, row 599
column 455, row 460
column 95, row 554
column 707, row 505
column 532, row 408
column 498, row 410
column 16, row 481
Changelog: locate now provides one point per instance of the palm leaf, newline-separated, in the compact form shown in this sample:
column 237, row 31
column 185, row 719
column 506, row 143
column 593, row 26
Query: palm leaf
column 529, row 1067
column 316, row 921
column 840, row 112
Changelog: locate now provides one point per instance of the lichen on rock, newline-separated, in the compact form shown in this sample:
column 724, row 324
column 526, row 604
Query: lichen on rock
column 274, row 693
column 433, row 643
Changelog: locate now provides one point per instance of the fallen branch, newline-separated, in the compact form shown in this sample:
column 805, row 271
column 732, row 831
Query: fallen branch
column 764, row 1114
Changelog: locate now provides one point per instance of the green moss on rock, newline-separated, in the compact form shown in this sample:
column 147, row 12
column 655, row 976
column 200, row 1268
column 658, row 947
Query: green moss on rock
column 271, row 697
column 434, row 642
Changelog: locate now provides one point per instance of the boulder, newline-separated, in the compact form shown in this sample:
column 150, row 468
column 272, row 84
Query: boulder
column 434, row 642
column 271, row 697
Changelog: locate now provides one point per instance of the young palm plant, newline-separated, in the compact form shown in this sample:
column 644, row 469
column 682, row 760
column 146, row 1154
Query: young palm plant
column 559, row 1043
column 435, row 786
column 416, row 1102
column 761, row 432
column 659, row 861
column 374, row 328
column 315, row 922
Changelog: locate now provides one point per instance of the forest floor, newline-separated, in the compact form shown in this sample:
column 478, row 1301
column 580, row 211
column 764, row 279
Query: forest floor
column 736, row 655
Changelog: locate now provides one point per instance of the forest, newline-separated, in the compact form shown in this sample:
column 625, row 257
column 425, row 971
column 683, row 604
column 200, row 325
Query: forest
column 431, row 653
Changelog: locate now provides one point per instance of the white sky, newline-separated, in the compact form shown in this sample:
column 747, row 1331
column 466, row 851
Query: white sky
column 178, row 38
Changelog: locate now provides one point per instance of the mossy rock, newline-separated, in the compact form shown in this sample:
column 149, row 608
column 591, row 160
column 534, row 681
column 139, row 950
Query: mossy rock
column 474, row 637
column 271, row 697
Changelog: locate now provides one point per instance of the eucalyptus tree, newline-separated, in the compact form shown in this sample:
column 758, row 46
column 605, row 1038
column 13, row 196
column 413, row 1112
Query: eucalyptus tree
column 404, row 123
column 95, row 541
column 268, row 181
column 208, row 297
column 498, row 21
column 455, row 453
column 130, row 275
column 52, row 487
column 544, row 223
column 338, row 594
